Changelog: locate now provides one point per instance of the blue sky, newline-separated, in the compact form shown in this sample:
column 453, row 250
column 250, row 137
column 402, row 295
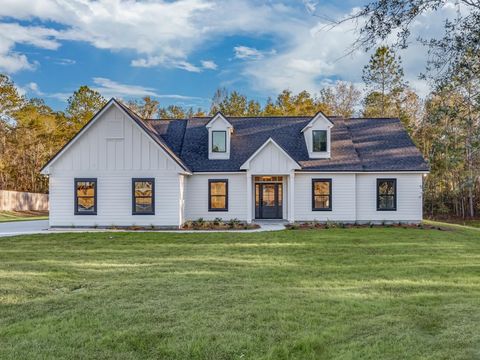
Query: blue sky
column 181, row 51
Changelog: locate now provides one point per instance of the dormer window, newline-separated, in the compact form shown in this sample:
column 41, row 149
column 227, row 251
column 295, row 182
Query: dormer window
column 319, row 140
column 317, row 135
column 219, row 141
column 219, row 137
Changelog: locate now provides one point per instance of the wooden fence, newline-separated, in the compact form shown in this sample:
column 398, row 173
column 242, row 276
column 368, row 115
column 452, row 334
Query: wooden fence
column 22, row 201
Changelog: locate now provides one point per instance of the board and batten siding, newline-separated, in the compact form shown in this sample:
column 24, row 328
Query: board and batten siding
column 114, row 150
column 409, row 198
column 196, row 197
column 271, row 161
column 343, row 197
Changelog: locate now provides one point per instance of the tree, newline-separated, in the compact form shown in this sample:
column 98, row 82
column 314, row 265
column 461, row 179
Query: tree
column 342, row 99
column 10, row 102
column 384, row 18
column 290, row 104
column 10, row 99
column 82, row 106
column 146, row 109
column 233, row 104
column 383, row 77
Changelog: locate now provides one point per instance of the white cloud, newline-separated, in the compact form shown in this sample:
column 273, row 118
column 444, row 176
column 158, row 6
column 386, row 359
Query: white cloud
column 316, row 52
column 245, row 52
column 33, row 87
column 161, row 33
column 64, row 61
column 209, row 64
column 110, row 88
column 310, row 6
column 166, row 33
column 249, row 53
column 12, row 34
column 11, row 62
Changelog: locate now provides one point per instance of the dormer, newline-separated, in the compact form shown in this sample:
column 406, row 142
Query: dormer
column 219, row 135
column 317, row 137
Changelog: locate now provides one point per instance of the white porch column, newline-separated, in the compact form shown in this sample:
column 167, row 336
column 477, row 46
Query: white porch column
column 249, row 197
column 291, row 197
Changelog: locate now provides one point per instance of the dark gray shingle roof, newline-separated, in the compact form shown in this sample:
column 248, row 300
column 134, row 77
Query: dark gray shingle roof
column 356, row 144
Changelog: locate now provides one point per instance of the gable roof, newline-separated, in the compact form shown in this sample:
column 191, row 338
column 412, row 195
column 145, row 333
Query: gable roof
column 319, row 115
column 357, row 145
column 246, row 164
column 217, row 116
column 141, row 123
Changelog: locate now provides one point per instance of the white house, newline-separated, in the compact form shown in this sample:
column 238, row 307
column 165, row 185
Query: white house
column 121, row 170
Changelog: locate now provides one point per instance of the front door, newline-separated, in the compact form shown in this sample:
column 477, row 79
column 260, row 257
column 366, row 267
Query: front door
column 268, row 201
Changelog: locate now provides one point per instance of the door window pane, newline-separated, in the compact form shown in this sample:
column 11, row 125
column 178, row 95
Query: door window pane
column 268, row 195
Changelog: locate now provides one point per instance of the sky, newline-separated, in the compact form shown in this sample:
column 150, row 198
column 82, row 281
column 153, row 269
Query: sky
column 181, row 51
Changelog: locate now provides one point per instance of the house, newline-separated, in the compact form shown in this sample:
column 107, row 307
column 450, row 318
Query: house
column 121, row 170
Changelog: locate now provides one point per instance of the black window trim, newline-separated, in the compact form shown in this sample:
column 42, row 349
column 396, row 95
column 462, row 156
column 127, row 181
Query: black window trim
column 326, row 141
column 329, row 180
column 379, row 180
column 77, row 180
column 134, row 180
column 210, row 181
column 225, row 133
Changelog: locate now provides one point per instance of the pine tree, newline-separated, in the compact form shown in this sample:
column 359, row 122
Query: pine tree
column 383, row 77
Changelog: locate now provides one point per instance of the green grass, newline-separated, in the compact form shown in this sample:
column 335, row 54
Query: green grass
column 6, row 216
column 473, row 223
column 381, row 293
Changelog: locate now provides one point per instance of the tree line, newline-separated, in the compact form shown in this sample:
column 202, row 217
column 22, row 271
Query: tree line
column 445, row 125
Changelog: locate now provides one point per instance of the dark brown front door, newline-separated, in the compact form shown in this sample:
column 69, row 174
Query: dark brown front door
column 268, row 201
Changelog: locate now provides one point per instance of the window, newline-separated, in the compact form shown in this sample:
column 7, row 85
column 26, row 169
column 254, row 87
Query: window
column 268, row 178
column 321, row 194
column 143, row 196
column 386, row 194
column 219, row 141
column 319, row 140
column 217, row 195
column 85, row 196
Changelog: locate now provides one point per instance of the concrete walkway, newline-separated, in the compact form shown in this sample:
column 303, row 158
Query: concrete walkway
column 23, row 227
column 41, row 227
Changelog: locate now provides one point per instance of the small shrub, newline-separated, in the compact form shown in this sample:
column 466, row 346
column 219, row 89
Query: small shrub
column 198, row 223
column 187, row 225
column 217, row 221
column 233, row 223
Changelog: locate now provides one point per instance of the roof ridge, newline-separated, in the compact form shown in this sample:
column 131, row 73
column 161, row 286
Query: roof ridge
column 373, row 118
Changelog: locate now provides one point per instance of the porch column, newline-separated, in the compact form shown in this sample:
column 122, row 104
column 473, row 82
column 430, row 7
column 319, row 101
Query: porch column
column 291, row 197
column 249, row 197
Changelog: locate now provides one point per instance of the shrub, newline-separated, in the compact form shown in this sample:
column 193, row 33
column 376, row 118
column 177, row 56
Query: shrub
column 233, row 223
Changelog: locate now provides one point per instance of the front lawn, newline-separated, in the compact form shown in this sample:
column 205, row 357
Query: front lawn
column 380, row 293
column 6, row 216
